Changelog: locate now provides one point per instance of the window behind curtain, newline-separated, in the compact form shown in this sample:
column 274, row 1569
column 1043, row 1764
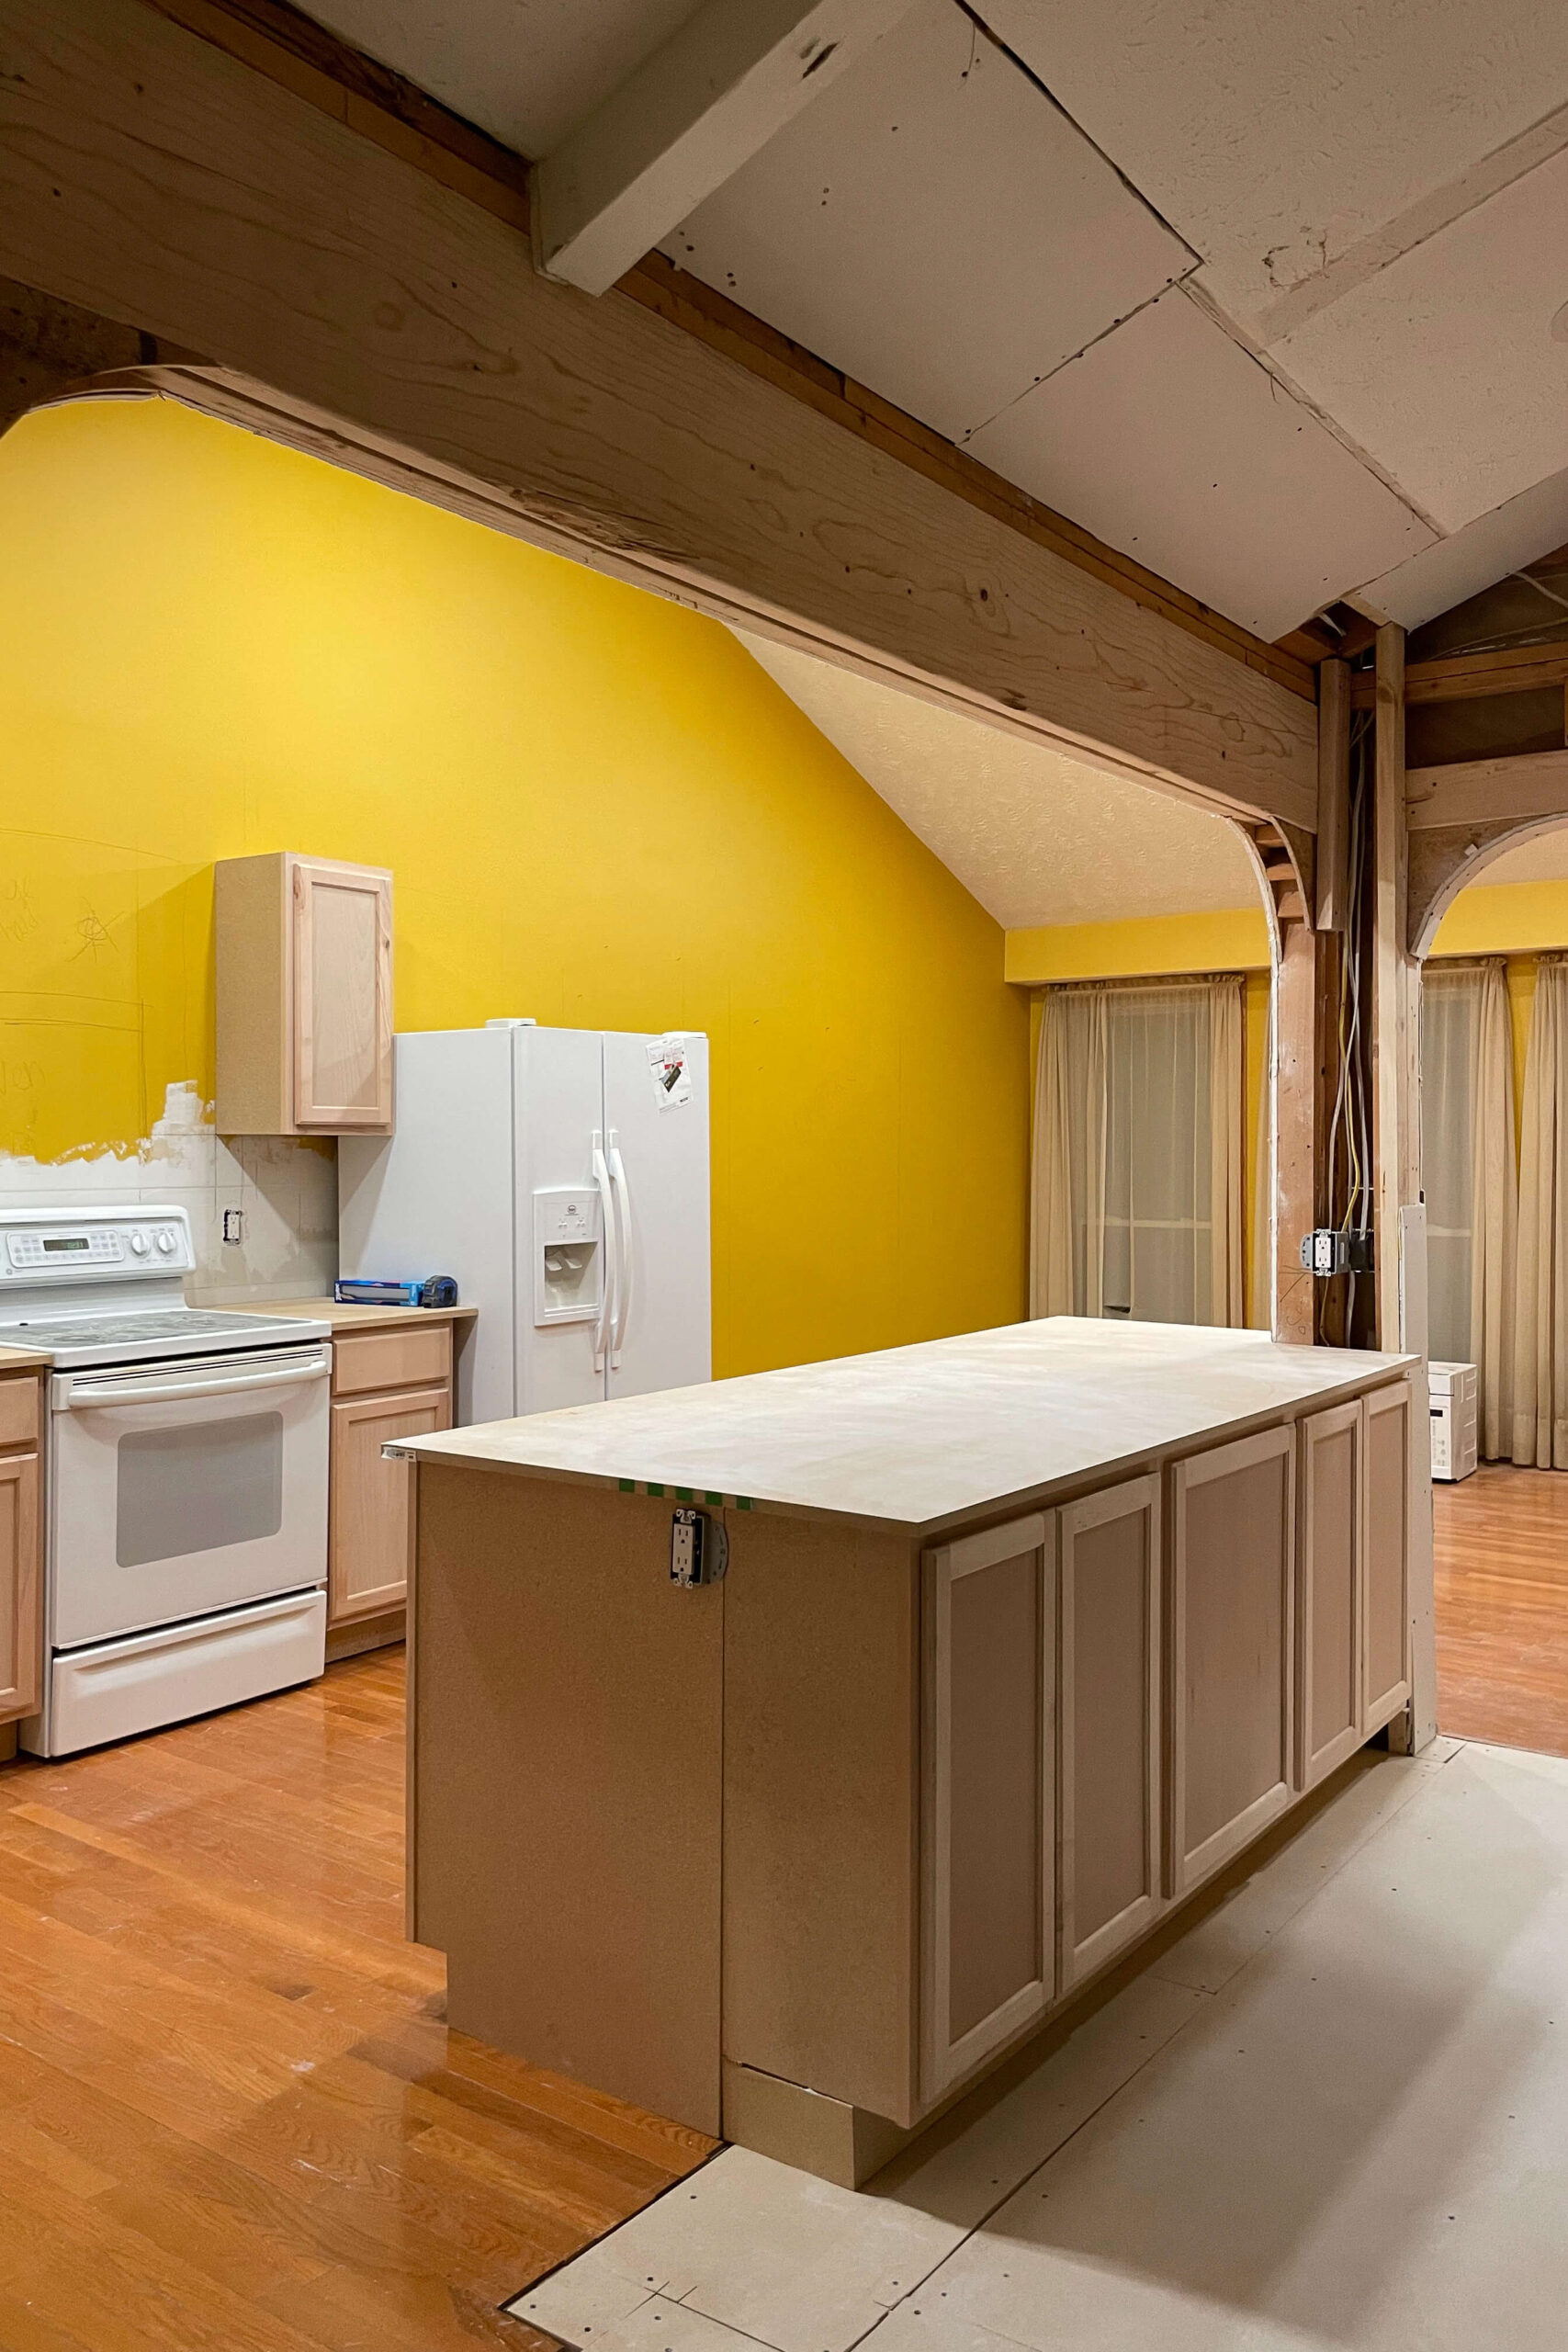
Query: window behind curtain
column 1138, row 1152
column 1159, row 1226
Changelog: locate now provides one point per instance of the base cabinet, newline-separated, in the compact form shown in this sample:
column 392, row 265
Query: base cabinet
column 21, row 1551
column 1230, row 1634
column 386, row 1384
column 988, row 1808
column 368, row 1524
column 1110, row 1773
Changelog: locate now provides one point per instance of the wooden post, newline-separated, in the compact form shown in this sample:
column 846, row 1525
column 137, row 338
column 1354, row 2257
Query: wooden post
column 1399, row 1224
column 1298, row 1141
column 1333, row 794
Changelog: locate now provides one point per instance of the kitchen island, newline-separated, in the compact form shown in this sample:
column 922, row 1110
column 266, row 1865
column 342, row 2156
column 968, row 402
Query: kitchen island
column 1025, row 1635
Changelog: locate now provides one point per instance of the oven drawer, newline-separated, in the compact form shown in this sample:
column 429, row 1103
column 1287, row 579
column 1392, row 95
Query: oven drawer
column 416, row 1357
column 118, row 1689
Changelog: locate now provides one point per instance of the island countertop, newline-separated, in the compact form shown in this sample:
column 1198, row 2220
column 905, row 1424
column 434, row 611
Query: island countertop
column 914, row 1440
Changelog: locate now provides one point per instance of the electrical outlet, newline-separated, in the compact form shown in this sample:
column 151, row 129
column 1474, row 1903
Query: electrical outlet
column 233, row 1224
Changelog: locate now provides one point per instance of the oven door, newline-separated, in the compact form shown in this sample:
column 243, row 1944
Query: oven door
column 181, row 1488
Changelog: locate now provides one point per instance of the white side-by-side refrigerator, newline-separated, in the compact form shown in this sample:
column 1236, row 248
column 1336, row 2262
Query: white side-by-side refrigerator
column 561, row 1175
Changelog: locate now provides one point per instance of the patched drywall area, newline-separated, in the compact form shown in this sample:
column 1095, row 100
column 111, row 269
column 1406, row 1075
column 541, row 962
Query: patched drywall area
column 263, row 1209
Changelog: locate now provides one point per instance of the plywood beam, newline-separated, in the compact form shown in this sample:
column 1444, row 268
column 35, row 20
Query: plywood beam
column 1526, row 788
column 687, row 119
column 148, row 175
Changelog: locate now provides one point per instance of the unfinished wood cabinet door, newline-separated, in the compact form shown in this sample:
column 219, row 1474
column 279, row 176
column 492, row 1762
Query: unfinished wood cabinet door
column 1232, row 1560
column 367, row 1546
column 1110, row 1770
column 1328, row 1591
column 341, row 919
column 1385, row 1639
column 987, row 1811
column 21, row 1586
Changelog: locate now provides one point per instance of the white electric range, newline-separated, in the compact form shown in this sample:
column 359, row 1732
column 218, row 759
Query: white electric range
column 185, row 1481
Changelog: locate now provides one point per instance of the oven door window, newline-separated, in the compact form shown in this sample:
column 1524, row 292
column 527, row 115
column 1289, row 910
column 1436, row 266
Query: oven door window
column 198, row 1487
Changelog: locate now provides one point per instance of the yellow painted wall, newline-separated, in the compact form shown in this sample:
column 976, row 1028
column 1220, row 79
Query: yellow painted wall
column 598, row 809
column 1233, row 939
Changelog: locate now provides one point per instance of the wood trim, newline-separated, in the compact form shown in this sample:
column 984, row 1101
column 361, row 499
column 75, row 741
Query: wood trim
column 1390, row 892
column 289, row 49
column 1078, row 1961
column 1333, row 795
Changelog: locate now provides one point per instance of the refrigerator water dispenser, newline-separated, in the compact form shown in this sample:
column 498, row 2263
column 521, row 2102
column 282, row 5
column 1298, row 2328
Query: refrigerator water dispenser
column 569, row 1254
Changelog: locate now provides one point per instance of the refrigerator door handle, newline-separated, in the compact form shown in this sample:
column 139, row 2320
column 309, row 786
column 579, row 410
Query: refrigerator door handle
column 610, row 1277
column 622, row 1250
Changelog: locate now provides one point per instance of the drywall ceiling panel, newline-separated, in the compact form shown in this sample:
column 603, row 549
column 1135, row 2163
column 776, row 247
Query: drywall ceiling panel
column 1034, row 837
column 1446, row 364
column 934, row 226
column 1278, row 142
column 527, row 71
column 1172, row 443
column 1529, row 527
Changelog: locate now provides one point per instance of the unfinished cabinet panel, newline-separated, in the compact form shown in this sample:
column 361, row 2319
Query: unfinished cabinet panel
column 1232, row 1526
column 1386, row 1643
column 987, row 1824
column 304, row 997
column 21, row 1581
column 1109, row 1745
column 369, row 1534
column 1328, row 1592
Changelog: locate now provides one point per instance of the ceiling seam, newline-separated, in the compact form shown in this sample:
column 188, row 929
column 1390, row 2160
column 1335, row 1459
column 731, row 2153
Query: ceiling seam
column 1170, row 287
column 1030, row 75
column 1199, row 295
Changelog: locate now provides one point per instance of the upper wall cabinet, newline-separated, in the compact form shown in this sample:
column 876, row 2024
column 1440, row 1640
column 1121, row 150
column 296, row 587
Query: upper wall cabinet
column 304, row 997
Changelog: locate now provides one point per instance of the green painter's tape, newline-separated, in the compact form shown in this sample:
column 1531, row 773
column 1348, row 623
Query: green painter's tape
column 684, row 1494
column 712, row 1499
column 742, row 1502
column 627, row 1486
column 652, row 1489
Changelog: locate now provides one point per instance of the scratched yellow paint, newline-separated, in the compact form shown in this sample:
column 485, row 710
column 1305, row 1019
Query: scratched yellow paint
column 598, row 810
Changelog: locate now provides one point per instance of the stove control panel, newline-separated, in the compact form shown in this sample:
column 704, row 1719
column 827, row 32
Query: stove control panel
column 36, row 1246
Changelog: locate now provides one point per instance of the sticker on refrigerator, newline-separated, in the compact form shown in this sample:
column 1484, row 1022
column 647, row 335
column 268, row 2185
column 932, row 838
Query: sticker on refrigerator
column 671, row 1079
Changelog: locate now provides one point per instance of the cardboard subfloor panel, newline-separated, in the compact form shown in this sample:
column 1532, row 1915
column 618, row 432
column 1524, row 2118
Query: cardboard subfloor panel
column 1334, row 2115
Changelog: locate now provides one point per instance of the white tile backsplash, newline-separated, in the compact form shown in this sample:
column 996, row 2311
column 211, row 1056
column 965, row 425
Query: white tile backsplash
column 284, row 1186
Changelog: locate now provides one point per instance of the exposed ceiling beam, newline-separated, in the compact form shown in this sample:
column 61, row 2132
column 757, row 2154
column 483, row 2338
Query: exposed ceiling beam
column 1462, row 677
column 684, row 122
column 147, row 177
column 296, row 54
column 1529, row 785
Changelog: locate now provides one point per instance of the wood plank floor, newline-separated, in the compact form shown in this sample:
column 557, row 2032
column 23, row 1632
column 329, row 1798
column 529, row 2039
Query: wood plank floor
column 1502, row 1563
column 231, row 2114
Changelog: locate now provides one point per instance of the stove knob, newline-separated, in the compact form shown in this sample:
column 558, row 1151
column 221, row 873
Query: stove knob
column 140, row 1244
column 166, row 1242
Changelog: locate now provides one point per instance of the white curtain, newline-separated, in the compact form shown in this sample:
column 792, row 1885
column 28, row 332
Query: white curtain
column 1468, row 1177
column 1138, row 1153
column 1541, row 1338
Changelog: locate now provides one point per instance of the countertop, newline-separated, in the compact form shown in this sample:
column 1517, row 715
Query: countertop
column 914, row 1440
column 360, row 1319
column 23, row 1360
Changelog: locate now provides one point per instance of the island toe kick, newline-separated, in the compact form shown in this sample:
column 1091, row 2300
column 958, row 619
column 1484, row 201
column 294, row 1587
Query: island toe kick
column 800, row 1855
